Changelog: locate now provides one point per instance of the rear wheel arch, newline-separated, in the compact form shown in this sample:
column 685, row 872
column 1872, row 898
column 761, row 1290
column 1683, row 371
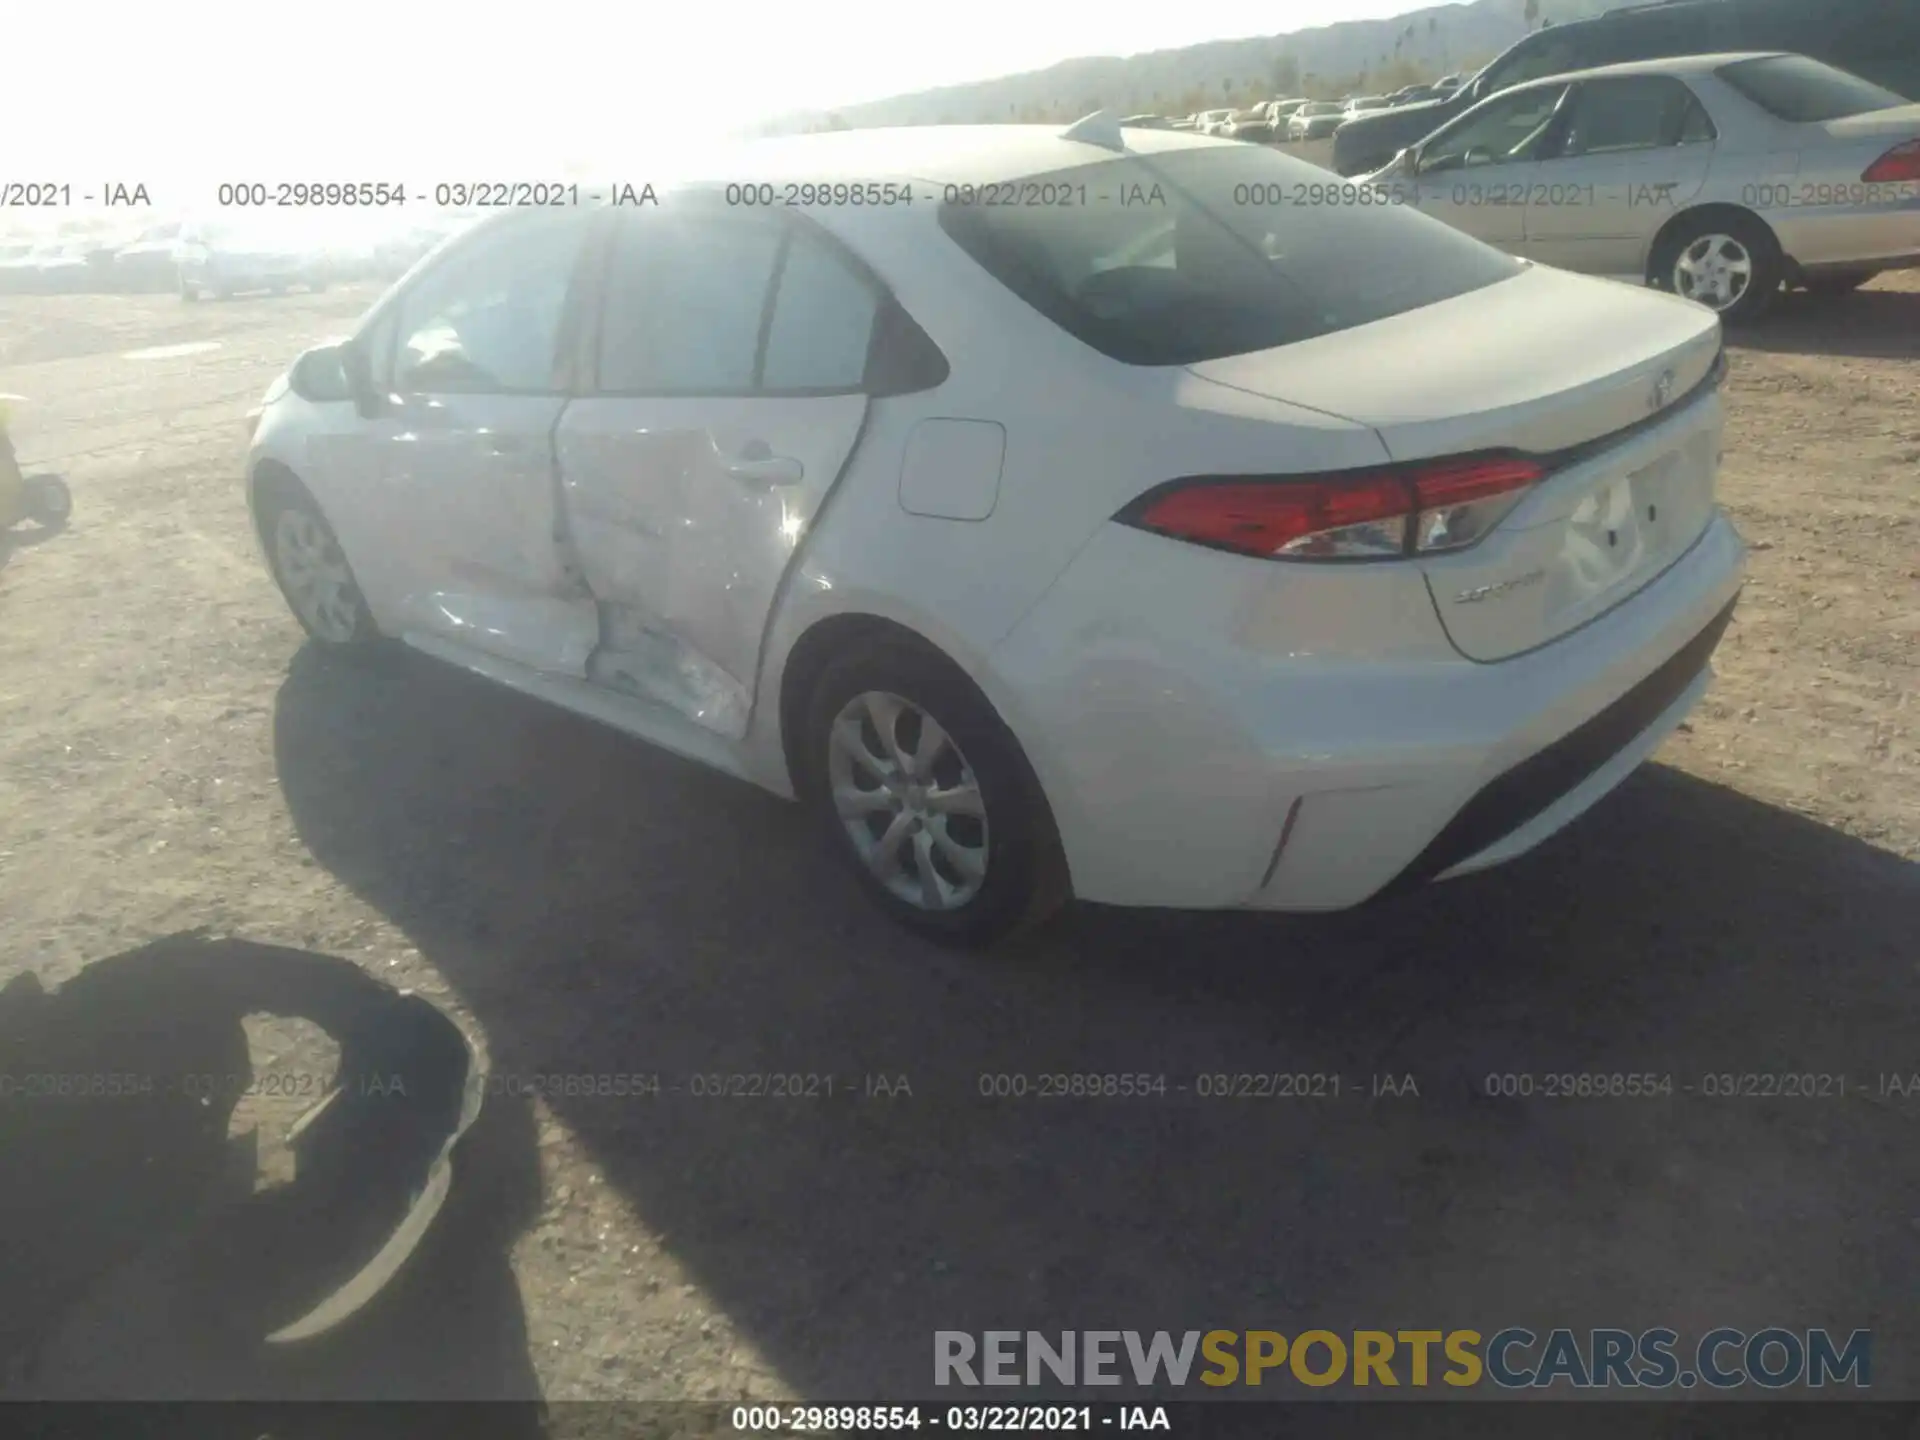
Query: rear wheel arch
column 1735, row 219
column 825, row 660
column 822, row 643
column 1702, row 214
column 835, row 636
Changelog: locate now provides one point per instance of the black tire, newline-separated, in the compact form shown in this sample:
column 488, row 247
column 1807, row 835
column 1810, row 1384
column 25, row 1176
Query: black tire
column 1769, row 268
column 1026, row 877
column 281, row 496
column 48, row 501
column 189, row 291
column 1843, row 282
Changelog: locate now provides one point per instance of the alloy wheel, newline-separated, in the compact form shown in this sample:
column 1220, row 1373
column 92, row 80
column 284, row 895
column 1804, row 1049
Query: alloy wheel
column 908, row 800
column 315, row 574
column 1715, row 270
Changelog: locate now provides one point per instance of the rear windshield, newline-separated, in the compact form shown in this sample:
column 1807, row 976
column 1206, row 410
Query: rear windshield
column 1205, row 253
column 1806, row 92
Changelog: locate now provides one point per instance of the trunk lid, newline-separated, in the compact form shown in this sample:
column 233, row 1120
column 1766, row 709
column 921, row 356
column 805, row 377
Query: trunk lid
column 1607, row 384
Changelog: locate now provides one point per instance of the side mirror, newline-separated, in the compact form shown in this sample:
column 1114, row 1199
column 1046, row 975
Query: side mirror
column 320, row 375
column 357, row 376
column 1407, row 162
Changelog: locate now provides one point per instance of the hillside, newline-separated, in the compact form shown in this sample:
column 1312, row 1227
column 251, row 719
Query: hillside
column 1329, row 59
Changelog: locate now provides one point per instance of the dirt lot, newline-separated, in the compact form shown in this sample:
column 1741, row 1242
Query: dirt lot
column 171, row 756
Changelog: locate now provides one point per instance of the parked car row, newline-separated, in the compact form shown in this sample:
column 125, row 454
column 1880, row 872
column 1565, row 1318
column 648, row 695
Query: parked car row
column 1878, row 40
column 45, row 268
column 1718, row 177
column 219, row 256
column 1316, row 120
column 97, row 261
column 1276, row 121
column 1723, row 177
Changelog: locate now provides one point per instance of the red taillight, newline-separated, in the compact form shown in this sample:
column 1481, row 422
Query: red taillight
column 1263, row 519
column 1902, row 162
column 1456, row 482
column 1365, row 515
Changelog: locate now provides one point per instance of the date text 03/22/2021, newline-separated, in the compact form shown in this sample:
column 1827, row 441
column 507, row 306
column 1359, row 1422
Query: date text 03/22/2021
column 963, row 1419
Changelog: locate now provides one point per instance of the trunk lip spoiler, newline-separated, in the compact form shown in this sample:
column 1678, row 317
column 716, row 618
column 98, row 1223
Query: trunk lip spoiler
column 1576, row 454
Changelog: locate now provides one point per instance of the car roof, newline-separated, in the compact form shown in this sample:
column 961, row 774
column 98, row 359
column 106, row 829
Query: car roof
column 1671, row 65
column 943, row 154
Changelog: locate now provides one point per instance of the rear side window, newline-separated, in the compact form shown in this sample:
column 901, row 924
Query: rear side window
column 1696, row 126
column 684, row 299
column 1803, row 91
column 1632, row 112
column 822, row 325
column 1199, row 254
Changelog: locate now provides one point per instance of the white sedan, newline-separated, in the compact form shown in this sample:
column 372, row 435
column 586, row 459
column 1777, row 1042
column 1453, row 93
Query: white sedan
column 1052, row 513
column 1719, row 177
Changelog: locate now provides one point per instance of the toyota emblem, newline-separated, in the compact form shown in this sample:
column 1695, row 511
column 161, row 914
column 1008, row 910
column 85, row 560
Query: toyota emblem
column 1662, row 391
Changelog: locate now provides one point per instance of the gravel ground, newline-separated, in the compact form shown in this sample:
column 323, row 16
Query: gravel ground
column 172, row 756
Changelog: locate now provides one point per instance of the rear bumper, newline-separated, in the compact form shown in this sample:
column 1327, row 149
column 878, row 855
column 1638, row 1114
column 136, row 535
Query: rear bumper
column 1559, row 782
column 1181, row 778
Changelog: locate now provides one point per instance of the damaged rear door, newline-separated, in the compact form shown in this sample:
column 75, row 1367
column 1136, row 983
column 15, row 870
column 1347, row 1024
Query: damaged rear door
column 723, row 395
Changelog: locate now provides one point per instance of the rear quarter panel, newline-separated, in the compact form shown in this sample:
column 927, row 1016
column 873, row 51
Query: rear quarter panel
column 1804, row 181
column 1084, row 435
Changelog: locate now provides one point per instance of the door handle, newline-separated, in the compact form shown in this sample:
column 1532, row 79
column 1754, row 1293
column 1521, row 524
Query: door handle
column 506, row 445
column 757, row 465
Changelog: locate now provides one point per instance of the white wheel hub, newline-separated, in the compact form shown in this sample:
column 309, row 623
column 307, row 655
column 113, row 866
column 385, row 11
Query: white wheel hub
column 909, row 801
column 315, row 574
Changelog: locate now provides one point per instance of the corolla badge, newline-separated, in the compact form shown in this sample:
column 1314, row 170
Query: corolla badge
column 1503, row 587
column 1662, row 394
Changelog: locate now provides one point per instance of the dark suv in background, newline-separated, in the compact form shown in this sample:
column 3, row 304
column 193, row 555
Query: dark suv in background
column 1878, row 40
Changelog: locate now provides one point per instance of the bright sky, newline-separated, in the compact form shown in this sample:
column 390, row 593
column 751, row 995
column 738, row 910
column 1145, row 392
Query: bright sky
column 189, row 94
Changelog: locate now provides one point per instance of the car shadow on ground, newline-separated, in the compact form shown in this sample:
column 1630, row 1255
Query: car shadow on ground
column 138, row 1260
column 1869, row 324
column 607, row 909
